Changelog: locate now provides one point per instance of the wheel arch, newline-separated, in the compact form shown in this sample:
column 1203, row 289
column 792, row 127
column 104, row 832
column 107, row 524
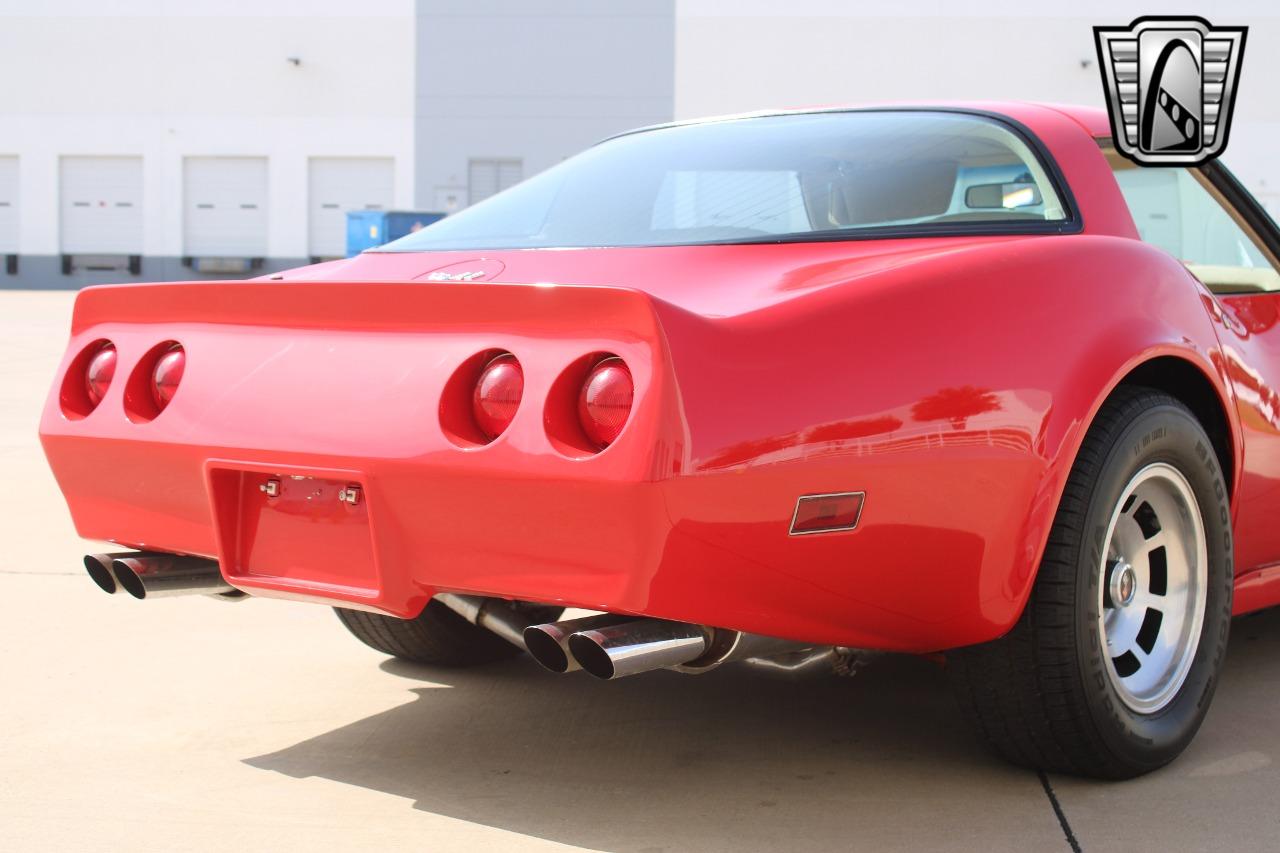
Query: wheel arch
column 1186, row 382
column 1187, row 376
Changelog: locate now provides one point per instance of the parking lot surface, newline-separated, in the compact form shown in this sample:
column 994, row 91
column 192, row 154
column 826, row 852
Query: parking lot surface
column 193, row 724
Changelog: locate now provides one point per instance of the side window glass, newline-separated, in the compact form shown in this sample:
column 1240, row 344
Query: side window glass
column 1176, row 212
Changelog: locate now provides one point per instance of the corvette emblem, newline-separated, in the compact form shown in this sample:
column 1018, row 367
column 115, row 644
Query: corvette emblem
column 468, row 275
column 1170, row 85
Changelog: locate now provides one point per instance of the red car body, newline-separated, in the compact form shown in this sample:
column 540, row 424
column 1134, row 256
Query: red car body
column 948, row 379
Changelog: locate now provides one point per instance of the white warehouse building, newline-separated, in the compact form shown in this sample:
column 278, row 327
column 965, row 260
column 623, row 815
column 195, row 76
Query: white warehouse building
column 179, row 139
column 174, row 139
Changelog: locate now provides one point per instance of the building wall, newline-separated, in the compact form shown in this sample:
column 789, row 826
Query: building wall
column 431, row 84
column 534, row 81
column 739, row 55
column 438, row 85
column 168, row 79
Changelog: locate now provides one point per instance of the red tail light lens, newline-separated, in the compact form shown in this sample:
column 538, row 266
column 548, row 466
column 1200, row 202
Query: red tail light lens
column 99, row 372
column 166, row 376
column 497, row 395
column 605, row 401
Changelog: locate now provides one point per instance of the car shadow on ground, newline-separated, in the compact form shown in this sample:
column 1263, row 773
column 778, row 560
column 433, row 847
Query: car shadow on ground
column 733, row 760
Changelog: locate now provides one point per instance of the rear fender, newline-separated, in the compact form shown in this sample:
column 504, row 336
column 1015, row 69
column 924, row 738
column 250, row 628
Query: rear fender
column 955, row 392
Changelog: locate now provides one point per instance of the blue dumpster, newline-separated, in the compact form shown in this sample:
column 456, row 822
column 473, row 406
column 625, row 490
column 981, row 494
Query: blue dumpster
column 367, row 229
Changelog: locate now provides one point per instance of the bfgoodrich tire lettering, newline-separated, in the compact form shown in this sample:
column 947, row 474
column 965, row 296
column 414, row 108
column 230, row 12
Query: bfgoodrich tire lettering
column 1043, row 695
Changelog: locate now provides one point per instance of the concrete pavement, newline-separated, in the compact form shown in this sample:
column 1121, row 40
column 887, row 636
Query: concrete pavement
column 198, row 725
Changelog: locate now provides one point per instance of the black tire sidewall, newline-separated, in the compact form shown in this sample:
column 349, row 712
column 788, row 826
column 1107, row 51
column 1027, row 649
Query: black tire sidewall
column 1163, row 433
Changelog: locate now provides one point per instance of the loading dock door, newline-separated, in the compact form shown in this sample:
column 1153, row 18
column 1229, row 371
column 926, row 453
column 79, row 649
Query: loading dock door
column 224, row 202
column 337, row 185
column 8, row 205
column 100, row 205
column 489, row 177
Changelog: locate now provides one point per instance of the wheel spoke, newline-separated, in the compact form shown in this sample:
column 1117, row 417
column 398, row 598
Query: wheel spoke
column 1149, row 545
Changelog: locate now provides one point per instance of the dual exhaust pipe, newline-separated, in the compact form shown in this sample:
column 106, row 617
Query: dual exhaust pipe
column 154, row 574
column 610, row 646
column 607, row 646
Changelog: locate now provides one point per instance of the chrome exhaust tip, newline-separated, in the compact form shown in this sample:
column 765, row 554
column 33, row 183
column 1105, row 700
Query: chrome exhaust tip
column 548, row 643
column 158, row 575
column 630, row 648
column 99, row 568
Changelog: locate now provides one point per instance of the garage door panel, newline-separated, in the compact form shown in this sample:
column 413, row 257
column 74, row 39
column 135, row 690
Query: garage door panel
column 340, row 184
column 225, row 207
column 8, row 205
column 486, row 177
column 100, row 205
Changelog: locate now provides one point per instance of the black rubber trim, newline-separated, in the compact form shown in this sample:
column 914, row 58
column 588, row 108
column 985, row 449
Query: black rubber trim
column 1254, row 214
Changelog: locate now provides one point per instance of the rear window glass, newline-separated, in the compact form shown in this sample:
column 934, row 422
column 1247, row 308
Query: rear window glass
column 764, row 179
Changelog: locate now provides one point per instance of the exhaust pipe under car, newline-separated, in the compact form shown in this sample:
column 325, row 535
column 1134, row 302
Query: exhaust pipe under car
column 494, row 614
column 145, row 574
column 606, row 645
column 610, row 646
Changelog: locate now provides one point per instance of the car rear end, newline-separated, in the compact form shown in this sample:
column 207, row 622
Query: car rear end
column 324, row 441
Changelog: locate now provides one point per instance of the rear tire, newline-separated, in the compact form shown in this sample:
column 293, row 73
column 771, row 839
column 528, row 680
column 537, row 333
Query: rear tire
column 438, row 636
column 1088, row 681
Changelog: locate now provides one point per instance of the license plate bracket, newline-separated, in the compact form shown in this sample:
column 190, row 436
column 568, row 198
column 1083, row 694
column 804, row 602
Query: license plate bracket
column 303, row 528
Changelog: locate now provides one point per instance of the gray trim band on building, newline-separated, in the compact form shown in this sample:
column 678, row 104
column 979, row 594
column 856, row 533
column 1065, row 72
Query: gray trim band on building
column 44, row 272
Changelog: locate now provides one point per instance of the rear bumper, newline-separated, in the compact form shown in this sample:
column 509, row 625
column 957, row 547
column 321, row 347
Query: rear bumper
column 708, row 548
column 418, row 527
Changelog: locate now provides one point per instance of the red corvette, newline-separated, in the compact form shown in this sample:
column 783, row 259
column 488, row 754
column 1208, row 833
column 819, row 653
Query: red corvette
column 775, row 387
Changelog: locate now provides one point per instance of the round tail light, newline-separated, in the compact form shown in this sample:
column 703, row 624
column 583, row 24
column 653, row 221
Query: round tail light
column 605, row 401
column 166, row 376
column 497, row 395
column 99, row 372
